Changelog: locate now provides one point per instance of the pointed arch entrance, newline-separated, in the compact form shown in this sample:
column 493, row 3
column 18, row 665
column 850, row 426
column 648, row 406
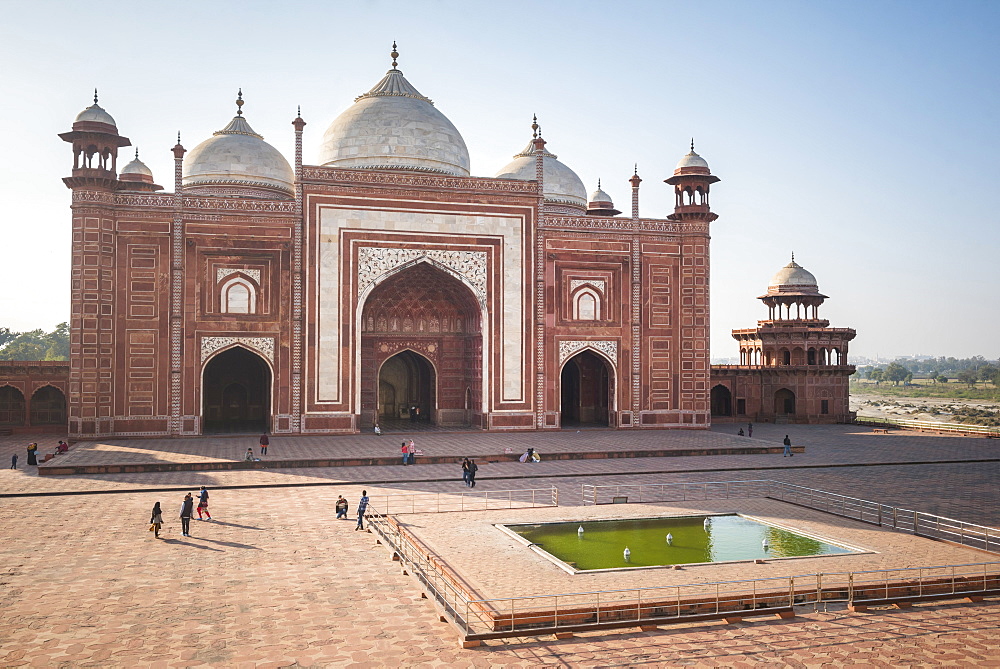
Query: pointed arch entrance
column 722, row 401
column 784, row 402
column 586, row 391
column 11, row 407
column 236, row 393
column 422, row 346
column 48, row 406
column 407, row 388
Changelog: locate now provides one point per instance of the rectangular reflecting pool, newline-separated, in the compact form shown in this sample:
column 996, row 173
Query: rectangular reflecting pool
column 692, row 539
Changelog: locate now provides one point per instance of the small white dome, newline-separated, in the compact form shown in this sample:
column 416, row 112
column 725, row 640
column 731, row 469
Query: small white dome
column 562, row 185
column 393, row 126
column 137, row 167
column 95, row 114
column 794, row 276
column 600, row 196
column 691, row 159
column 237, row 156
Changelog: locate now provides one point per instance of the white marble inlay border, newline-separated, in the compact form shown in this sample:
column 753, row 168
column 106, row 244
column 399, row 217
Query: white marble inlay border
column 222, row 272
column 568, row 348
column 376, row 262
column 596, row 283
column 262, row 345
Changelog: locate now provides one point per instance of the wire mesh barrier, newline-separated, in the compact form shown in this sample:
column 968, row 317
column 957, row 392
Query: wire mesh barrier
column 467, row 501
column 479, row 618
column 875, row 513
column 961, row 428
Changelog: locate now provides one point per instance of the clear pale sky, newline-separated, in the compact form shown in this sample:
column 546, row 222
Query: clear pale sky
column 863, row 136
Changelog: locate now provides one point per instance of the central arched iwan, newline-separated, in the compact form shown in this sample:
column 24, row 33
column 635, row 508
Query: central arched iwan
column 435, row 316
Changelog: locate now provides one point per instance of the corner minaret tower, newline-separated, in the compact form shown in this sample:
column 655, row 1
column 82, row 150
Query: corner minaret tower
column 691, row 181
column 94, row 178
column 95, row 141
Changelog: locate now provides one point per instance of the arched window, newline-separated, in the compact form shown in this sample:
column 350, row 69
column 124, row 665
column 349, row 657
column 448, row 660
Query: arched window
column 239, row 297
column 587, row 305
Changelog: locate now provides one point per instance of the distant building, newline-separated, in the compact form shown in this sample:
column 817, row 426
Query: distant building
column 793, row 366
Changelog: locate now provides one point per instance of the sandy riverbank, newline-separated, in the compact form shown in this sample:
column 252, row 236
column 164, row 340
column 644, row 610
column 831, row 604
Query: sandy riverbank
column 914, row 408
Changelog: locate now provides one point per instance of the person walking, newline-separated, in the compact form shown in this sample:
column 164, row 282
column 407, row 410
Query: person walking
column 156, row 521
column 203, row 503
column 465, row 471
column 13, row 461
column 341, row 507
column 749, row 429
column 788, row 447
column 32, row 449
column 187, row 509
column 264, row 441
column 473, row 468
column 405, row 452
column 362, row 507
column 411, row 450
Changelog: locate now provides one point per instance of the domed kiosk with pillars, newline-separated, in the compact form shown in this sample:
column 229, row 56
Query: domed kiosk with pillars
column 793, row 366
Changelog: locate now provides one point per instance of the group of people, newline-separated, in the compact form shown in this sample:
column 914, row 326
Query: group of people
column 786, row 441
column 187, row 512
column 265, row 441
column 342, row 508
column 409, row 451
column 469, row 469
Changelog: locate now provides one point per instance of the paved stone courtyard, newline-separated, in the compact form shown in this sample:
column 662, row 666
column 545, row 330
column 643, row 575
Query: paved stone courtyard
column 276, row 581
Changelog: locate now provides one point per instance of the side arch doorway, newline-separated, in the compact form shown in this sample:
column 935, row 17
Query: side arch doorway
column 784, row 402
column 722, row 401
column 48, row 407
column 236, row 393
column 586, row 391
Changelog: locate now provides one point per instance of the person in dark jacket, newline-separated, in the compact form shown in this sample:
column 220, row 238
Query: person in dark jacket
column 473, row 468
column 156, row 520
column 264, row 442
column 203, row 503
column 187, row 509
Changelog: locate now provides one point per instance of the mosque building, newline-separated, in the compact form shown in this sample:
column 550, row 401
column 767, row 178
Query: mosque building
column 387, row 284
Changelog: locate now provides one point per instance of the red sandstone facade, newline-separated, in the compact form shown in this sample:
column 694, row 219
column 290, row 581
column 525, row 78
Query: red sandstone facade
column 370, row 296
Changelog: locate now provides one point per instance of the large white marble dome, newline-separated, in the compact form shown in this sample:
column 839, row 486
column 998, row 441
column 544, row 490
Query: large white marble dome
column 236, row 157
column 562, row 185
column 394, row 127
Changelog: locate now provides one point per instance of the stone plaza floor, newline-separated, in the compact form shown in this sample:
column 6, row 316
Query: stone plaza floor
column 275, row 581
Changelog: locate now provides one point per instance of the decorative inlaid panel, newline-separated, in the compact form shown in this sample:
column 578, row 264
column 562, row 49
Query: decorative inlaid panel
column 568, row 348
column 262, row 345
column 374, row 262
column 222, row 272
column 596, row 283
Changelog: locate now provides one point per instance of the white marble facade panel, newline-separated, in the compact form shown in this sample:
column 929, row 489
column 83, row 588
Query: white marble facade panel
column 329, row 384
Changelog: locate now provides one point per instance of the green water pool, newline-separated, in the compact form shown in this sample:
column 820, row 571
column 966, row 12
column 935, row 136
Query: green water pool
column 722, row 538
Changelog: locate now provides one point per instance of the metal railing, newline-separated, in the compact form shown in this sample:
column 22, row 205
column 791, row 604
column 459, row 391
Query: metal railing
column 543, row 614
column 906, row 520
column 486, row 500
column 479, row 618
column 963, row 428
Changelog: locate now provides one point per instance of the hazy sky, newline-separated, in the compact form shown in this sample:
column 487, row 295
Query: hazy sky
column 863, row 136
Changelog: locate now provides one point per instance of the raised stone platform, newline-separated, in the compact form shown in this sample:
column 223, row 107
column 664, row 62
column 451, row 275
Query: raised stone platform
column 56, row 468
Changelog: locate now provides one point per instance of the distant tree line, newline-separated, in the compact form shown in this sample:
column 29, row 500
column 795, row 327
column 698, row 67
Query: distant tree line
column 35, row 345
column 940, row 370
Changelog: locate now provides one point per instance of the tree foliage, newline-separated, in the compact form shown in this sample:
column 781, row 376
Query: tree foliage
column 35, row 344
column 895, row 372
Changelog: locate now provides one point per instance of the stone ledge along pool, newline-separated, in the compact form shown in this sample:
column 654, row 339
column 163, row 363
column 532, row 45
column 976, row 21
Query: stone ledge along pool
column 652, row 542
